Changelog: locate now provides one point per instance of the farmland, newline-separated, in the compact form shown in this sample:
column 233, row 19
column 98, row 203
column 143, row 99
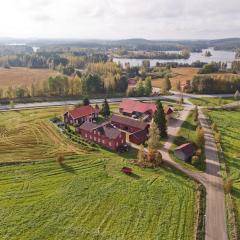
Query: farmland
column 86, row 197
column 177, row 74
column 23, row 76
column 228, row 124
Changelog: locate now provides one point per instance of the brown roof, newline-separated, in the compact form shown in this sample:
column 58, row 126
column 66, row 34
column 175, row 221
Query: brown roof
column 104, row 129
column 188, row 149
column 129, row 122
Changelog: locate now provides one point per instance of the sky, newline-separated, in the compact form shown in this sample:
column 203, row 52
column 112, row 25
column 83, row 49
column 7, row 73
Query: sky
column 120, row 19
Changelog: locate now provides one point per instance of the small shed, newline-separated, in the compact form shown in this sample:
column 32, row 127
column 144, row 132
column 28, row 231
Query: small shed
column 185, row 151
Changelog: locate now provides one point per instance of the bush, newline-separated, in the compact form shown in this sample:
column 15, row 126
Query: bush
column 228, row 185
column 60, row 159
column 195, row 160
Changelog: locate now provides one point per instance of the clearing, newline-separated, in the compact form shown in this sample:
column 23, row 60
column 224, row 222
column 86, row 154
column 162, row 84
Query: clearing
column 86, row 197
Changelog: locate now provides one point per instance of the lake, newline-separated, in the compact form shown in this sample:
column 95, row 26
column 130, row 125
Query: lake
column 217, row 56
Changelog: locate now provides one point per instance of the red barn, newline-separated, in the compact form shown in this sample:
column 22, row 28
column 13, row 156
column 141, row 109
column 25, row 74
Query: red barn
column 80, row 115
column 104, row 134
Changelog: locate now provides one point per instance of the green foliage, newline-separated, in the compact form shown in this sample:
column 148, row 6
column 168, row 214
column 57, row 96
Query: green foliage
column 140, row 88
column 160, row 119
column 209, row 68
column 86, row 101
column 105, row 111
column 148, row 86
column 208, row 84
column 166, row 85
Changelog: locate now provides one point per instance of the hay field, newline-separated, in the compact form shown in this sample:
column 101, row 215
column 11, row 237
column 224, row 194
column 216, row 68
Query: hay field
column 23, row 76
column 178, row 74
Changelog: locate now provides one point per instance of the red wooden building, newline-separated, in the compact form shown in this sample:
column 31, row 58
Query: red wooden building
column 104, row 134
column 138, row 130
column 80, row 115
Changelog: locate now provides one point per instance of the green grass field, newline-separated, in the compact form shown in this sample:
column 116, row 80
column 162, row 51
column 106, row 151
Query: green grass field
column 212, row 102
column 186, row 134
column 228, row 123
column 87, row 197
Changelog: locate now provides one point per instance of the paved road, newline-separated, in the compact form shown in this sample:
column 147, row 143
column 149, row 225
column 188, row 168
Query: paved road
column 175, row 97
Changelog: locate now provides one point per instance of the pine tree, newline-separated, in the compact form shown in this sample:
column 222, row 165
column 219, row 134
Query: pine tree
column 105, row 111
column 86, row 101
column 148, row 86
column 160, row 119
column 140, row 88
column 166, row 84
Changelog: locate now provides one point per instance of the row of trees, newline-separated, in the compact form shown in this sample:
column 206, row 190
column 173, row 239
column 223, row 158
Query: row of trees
column 208, row 84
column 143, row 88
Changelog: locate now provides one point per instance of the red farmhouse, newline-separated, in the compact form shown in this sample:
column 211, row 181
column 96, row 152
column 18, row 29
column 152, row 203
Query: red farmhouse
column 130, row 107
column 138, row 130
column 103, row 134
column 80, row 115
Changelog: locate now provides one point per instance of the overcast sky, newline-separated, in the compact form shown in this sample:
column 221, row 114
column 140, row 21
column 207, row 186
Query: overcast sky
column 118, row 19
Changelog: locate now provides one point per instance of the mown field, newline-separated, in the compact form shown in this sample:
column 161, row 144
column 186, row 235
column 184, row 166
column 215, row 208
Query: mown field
column 178, row 74
column 228, row 123
column 86, row 197
column 212, row 102
column 23, row 76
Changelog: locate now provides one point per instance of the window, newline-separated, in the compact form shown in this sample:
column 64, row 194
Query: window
column 110, row 144
column 99, row 140
column 103, row 141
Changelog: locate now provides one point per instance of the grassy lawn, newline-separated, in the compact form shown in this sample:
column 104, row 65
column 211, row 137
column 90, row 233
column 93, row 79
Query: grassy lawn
column 188, row 134
column 228, row 125
column 87, row 197
column 212, row 102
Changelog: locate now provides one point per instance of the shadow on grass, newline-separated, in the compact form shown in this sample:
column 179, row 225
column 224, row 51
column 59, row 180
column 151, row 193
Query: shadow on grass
column 134, row 175
column 67, row 168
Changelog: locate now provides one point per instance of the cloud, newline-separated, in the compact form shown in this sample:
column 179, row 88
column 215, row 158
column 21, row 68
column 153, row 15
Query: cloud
column 114, row 19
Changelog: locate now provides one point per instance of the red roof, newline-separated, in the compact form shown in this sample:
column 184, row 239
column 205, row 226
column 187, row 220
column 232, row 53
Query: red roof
column 188, row 149
column 130, row 106
column 168, row 110
column 82, row 111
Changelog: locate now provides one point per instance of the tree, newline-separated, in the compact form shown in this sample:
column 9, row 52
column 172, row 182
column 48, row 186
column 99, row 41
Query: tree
column 196, row 114
column 140, row 88
column 228, row 185
column 105, row 111
column 166, row 84
column 153, row 141
column 86, row 101
column 158, row 158
column 199, row 136
column 160, row 119
column 178, row 86
column 148, row 86
column 141, row 155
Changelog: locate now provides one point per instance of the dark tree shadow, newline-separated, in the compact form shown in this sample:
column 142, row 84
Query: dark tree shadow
column 67, row 168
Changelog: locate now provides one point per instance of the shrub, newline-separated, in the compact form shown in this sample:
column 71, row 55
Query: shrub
column 198, row 152
column 60, row 158
column 195, row 160
column 228, row 185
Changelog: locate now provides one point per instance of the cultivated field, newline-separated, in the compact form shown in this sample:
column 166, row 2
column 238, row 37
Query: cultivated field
column 23, row 76
column 87, row 197
column 228, row 125
column 178, row 74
